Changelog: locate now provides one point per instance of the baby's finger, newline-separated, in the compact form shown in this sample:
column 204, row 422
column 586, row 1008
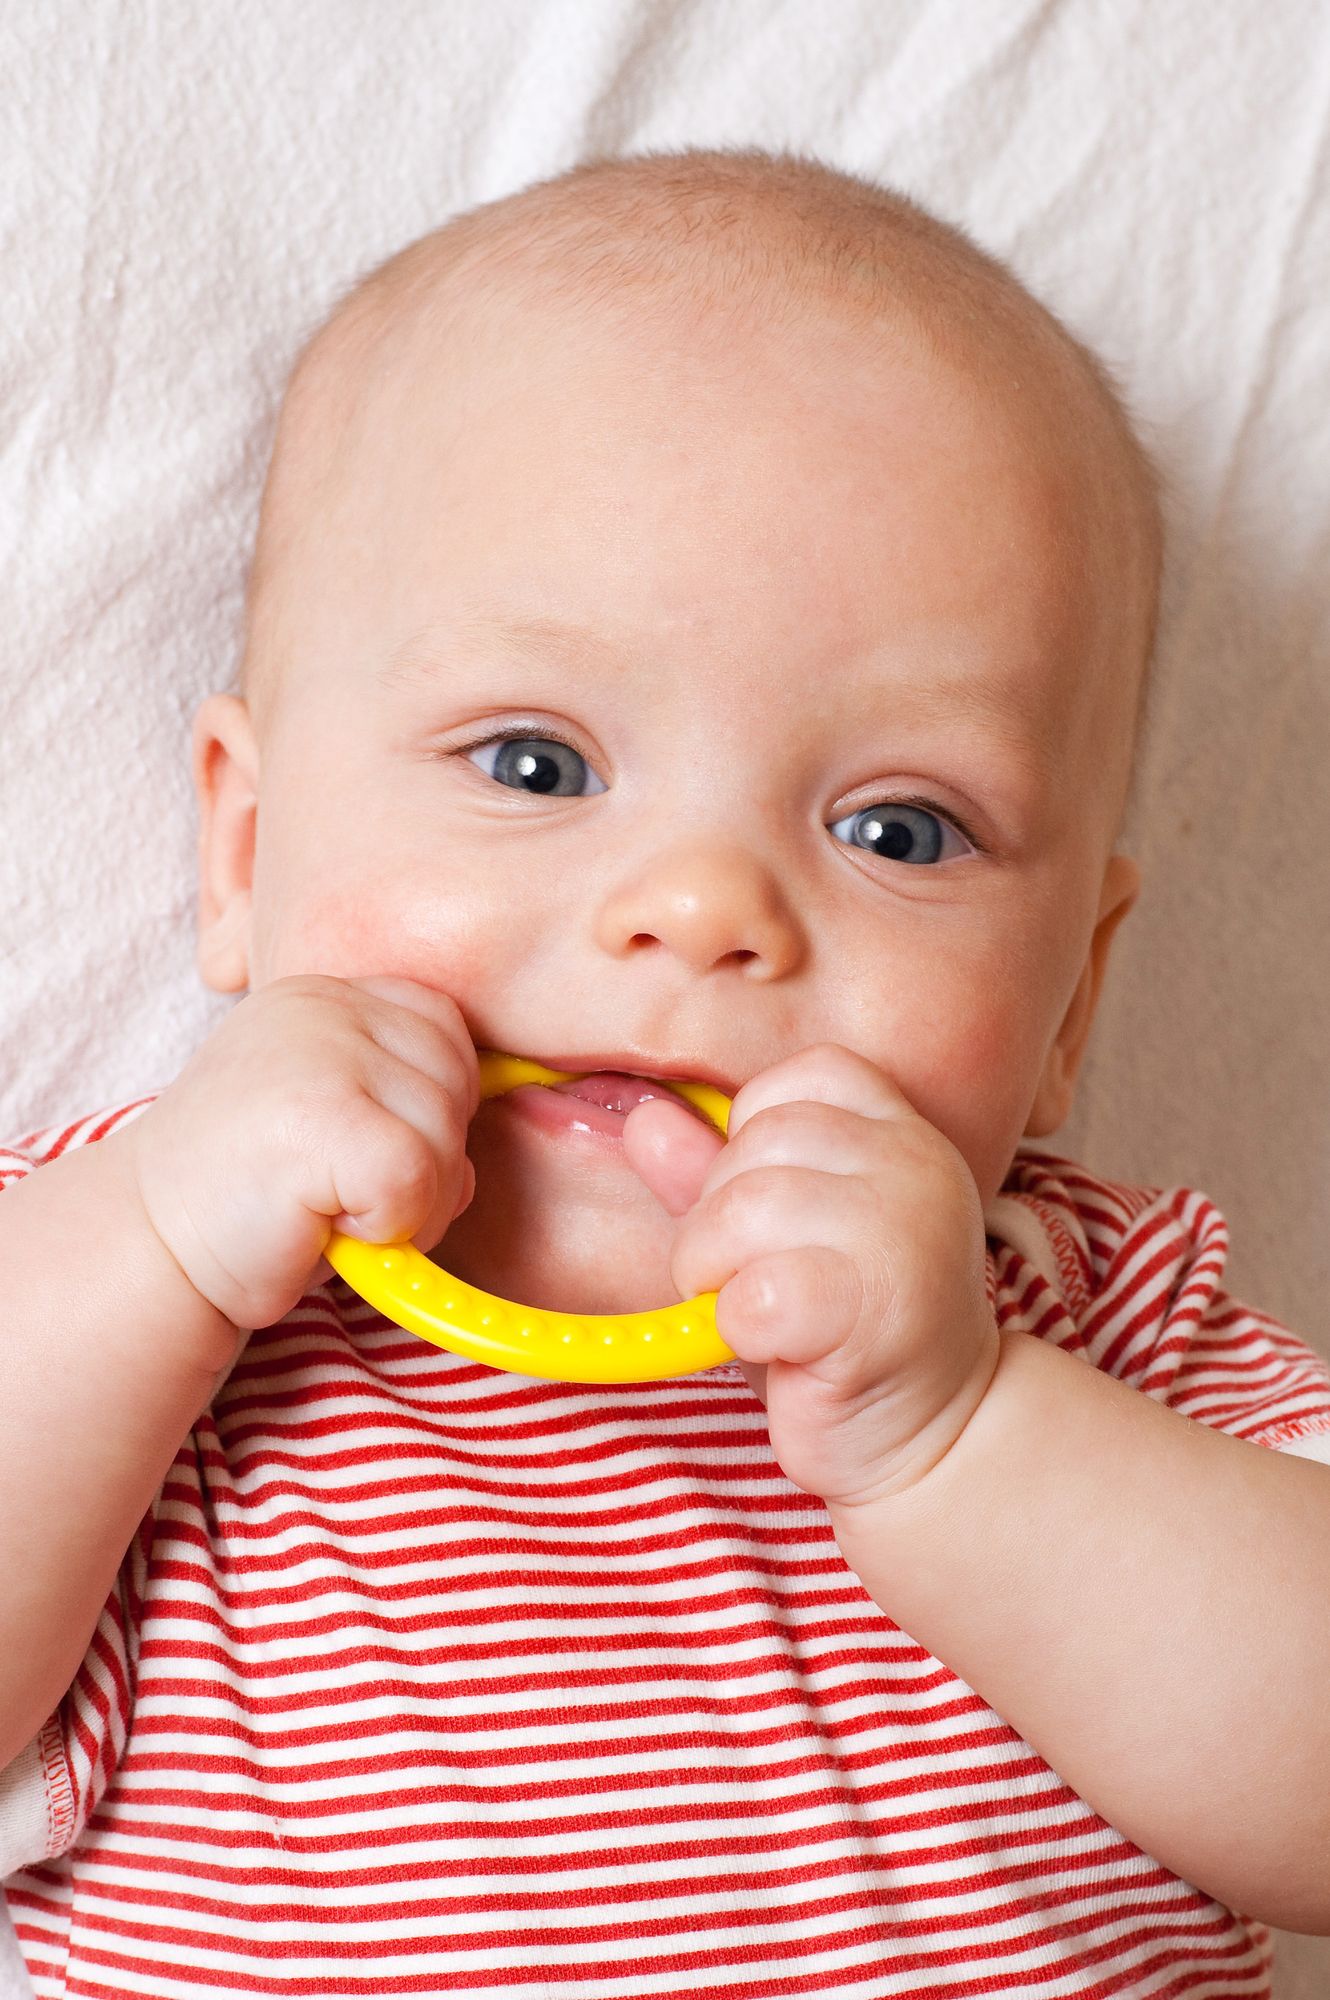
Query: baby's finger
column 383, row 1179
column 801, row 1134
column 431, row 1113
column 791, row 1305
column 426, row 1029
column 767, row 1209
column 671, row 1150
column 825, row 1072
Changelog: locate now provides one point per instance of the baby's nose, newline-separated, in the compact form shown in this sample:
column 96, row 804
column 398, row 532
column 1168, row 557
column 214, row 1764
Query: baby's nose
column 713, row 906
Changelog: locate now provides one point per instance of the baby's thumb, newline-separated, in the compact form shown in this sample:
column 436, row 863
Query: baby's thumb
column 671, row 1150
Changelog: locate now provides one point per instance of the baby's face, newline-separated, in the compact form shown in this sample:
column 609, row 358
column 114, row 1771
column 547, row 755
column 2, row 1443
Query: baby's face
column 808, row 661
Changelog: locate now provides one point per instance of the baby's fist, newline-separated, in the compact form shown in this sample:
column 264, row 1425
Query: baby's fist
column 318, row 1103
column 844, row 1237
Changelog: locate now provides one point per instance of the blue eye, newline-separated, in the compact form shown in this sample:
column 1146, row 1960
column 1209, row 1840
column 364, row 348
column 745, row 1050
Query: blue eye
column 550, row 767
column 899, row 831
column 544, row 766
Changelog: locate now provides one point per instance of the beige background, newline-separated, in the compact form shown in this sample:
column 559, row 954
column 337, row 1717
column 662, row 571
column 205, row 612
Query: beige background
column 187, row 187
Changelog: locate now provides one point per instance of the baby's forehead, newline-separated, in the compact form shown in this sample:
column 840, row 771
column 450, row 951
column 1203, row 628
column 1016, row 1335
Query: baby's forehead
column 431, row 321
column 676, row 248
column 995, row 394
column 404, row 347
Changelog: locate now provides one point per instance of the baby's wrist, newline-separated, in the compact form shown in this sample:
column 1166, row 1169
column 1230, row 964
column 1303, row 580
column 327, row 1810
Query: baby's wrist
column 207, row 1338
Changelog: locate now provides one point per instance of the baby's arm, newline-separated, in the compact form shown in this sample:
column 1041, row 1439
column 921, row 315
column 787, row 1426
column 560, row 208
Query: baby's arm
column 107, row 1355
column 1147, row 1600
column 1144, row 1597
column 132, row 1269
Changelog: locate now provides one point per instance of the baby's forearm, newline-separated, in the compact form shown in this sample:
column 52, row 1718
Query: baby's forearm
column 1146, row 1600
column 107, row 1354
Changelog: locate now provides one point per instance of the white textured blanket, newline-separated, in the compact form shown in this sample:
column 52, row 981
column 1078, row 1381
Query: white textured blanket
column 188, row 186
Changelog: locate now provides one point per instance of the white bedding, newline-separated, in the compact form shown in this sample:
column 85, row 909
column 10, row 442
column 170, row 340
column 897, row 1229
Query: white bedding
column 188, row 187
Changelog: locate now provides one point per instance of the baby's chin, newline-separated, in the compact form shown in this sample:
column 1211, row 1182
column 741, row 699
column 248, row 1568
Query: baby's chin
column 578, row 1234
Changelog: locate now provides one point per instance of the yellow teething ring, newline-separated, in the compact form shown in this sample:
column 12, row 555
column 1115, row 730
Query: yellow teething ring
column 404, row 1284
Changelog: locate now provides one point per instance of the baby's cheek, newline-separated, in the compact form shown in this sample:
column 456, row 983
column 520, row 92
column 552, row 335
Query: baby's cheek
column 979, row 1093
column 369, row 932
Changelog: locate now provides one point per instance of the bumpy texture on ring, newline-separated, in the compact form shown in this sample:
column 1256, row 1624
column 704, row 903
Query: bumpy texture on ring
column 404, row 1284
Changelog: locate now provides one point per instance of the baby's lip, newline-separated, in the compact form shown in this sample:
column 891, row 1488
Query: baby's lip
column 618, row 1090
column 647, row 1070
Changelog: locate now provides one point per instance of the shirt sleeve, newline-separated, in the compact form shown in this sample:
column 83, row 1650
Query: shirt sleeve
column 1311, row 1444
column 1132, row 1279
column 55, row 1782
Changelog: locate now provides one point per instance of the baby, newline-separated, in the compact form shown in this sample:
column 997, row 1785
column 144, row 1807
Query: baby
column 698, row 627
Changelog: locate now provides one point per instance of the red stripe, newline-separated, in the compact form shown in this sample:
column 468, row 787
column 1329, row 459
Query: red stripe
column 591, row 1557
column 516, row 1972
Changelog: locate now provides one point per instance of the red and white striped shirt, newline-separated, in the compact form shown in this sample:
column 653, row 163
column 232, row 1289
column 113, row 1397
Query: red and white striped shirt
column 425, row 1679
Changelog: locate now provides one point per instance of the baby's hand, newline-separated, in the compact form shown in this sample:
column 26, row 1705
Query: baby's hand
column 844, row 1236
column 318, row 1103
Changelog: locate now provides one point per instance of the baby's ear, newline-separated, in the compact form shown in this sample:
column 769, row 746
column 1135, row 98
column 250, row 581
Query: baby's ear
column 226, row 780
column 1057, row 1086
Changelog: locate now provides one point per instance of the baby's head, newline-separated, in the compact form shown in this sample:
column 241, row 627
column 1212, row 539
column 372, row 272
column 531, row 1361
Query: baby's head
column 814, row 567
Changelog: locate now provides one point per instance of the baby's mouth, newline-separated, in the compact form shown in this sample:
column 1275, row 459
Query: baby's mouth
column 615, row 1090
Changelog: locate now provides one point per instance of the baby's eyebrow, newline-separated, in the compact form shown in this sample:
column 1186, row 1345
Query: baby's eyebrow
column 423, row 656
column 943, row 699
column 935, row 699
